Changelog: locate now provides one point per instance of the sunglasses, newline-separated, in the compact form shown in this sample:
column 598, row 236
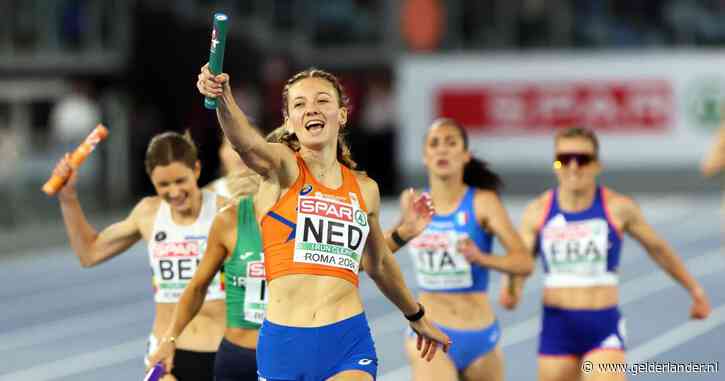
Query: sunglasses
column 564, row 159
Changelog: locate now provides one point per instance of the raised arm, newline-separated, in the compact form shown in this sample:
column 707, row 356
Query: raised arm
column 267, row 159
column 490, row 210
column 416, row 211
column 714, row 160
column 90, row 246
column 385, row 272
column 660, row 251
column 191, row 301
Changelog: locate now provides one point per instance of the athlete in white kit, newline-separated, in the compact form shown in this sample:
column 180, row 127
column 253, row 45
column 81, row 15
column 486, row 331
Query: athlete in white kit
column 176, row 224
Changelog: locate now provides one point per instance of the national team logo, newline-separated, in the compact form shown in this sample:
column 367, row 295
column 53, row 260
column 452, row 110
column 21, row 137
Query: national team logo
column 306, row 189
column 361, row 218
column 160, row 236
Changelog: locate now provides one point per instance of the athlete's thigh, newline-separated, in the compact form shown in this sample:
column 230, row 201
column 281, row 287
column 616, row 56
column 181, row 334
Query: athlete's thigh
column 441, row 368
column 352, row 375
column 558, row 368
column 486, row 368
column 599, row 372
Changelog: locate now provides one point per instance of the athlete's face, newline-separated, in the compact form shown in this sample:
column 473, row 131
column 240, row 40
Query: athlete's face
column 176, row 184
column 314, row 112
column 444, row 153
column 231, row 162
column 575, row 164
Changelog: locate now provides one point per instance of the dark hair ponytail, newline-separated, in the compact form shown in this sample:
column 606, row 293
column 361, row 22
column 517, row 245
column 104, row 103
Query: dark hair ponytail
column 476, row 173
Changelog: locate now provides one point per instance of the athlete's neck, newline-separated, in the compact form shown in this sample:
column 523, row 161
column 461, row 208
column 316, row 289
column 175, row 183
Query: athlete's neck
column 190, row 215
column 576, row 200
column 447, row 193
column 323, row 164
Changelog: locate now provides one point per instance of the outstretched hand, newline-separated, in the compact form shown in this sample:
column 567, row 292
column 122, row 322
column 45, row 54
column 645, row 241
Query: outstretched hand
column 416, row 213
column 429, row 338
column 701, row 308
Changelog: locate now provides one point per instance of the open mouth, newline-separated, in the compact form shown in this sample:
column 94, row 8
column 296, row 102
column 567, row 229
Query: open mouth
column 178, row 201
column 442, row 162
column 314, row 126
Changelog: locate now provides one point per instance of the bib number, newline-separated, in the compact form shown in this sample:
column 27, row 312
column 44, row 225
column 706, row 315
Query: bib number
column 330, row 233
column 255, row 300
column 438, row 264
column 577, row 248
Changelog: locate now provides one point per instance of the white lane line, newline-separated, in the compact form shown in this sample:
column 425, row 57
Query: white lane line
column 81, row 363
column 74, row 326
column 677, row 336
column 631, row 291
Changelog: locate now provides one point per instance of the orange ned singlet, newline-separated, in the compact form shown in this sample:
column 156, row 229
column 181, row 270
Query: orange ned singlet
column 316, row 230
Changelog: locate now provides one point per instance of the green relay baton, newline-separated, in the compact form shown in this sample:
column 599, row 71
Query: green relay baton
column 216, row 52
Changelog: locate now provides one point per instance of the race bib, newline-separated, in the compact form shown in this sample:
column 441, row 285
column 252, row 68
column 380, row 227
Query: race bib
column 438, row 264
column 576, row 248
column 175, row 263
column 255, row 294
column 330, row 232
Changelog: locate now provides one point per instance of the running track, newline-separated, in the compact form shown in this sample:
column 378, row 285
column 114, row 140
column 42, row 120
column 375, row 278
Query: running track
column 61, row 322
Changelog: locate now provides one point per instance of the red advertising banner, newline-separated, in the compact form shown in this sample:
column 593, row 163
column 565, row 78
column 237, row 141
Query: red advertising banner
column 618, row 106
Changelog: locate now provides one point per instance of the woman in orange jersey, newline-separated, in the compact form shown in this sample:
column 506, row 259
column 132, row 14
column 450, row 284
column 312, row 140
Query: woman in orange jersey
column 319, row 221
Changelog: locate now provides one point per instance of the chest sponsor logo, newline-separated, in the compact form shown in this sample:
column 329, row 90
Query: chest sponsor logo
column 183, row 249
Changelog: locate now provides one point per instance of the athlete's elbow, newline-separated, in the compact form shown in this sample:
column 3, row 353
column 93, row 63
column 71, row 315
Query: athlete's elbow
column 87, row 262
column 375, row 269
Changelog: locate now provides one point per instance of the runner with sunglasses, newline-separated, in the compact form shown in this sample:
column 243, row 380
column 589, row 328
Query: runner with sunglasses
column 577, row 228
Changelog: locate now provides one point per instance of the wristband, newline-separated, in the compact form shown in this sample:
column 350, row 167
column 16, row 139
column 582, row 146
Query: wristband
column 416, row 316
column 398, row 239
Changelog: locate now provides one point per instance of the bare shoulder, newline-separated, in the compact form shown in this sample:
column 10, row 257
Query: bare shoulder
column 619, row 204
column 147, row 207
column 227, row 216
column 369, row 189
column 535, row 209
column 222, row 202
column 485, row 196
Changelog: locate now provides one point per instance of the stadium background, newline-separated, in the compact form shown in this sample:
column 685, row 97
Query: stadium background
column 648, row 76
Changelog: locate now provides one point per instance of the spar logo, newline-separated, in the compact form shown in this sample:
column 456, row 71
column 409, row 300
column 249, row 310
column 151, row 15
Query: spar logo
column 255, row 270
column 431, row 241
column 324, row 208
column 183, row 249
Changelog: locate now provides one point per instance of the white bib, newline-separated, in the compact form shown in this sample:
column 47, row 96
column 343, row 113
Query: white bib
column 330, row 232
column 576, row 253
column 438, row 264
column 255, row 293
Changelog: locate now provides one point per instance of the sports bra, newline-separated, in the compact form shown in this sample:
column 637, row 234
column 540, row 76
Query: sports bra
column 316, row 230
column 579, row 249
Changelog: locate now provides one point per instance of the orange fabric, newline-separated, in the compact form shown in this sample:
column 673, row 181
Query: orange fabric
column 279, row 246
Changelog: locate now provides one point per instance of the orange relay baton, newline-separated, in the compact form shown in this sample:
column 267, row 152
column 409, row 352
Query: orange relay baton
column 77, row 158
